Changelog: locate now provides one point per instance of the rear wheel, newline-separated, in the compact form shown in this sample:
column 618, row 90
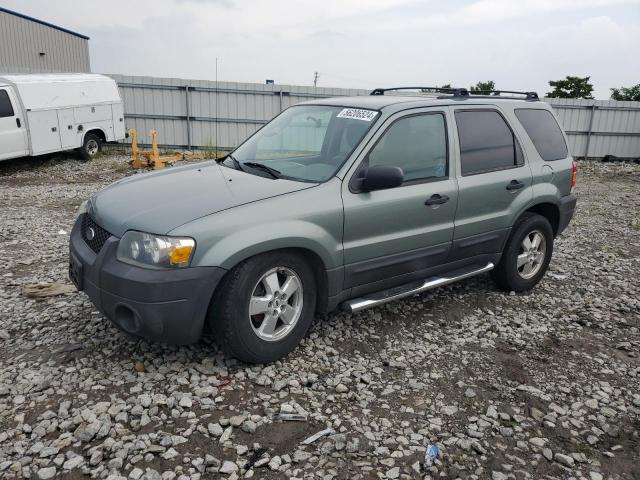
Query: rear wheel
column 91, row 146
column 527, row 255
column 264, row 307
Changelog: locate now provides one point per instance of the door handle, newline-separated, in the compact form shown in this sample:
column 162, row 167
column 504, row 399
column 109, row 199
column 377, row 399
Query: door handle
column 515, row 185
column 18, row 123
column 437, row 199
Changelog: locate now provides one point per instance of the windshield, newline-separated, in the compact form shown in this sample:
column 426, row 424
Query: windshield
column 306, row 142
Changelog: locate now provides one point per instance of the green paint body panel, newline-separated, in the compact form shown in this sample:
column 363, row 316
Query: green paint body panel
column 233, row 215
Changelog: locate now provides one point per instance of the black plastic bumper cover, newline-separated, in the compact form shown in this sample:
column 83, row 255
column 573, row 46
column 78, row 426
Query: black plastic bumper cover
column 566, row 206
column 167, row 306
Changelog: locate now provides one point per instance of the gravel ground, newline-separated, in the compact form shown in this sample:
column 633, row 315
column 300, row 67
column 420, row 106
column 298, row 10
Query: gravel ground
column 540, row 385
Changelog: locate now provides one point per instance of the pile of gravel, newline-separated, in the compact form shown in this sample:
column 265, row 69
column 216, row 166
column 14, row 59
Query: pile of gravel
column 529, row 386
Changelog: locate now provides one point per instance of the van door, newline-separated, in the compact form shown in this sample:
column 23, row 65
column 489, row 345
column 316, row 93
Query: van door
column 70, row 137
column 118, row 121
column 43, row 127
column 13, row 131
column 494, row 181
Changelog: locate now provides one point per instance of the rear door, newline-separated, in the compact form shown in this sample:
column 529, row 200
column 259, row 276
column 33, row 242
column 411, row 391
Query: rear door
column 118, row 121
column 391, row 234
column 13, row 132
column 494, row 180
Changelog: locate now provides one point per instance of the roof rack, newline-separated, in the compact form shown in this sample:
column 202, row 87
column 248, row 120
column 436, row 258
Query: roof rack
column 461, row 93
column 497, row 93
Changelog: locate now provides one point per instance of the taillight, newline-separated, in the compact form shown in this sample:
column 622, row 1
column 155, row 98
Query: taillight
column 574, row 175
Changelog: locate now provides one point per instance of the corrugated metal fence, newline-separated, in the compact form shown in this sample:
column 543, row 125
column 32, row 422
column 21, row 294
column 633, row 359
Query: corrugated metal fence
column 200, row 114
column 600, row 127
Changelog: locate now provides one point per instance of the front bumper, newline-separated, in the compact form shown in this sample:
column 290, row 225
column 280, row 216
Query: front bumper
column 167, row 306
column 566, row 207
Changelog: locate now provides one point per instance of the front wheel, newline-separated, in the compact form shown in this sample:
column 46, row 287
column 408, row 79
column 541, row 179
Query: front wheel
column 264, row 307
column 527, row 255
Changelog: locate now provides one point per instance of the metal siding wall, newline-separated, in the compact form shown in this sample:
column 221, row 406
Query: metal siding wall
column 242, row 108
column 161, row 103
column 22, row 40
column 615, row 129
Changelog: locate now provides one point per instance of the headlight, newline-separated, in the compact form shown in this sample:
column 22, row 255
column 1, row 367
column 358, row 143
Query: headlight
column 158, row 251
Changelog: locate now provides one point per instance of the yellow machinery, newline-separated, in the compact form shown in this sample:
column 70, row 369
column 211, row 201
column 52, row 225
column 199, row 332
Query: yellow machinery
column 153, row 159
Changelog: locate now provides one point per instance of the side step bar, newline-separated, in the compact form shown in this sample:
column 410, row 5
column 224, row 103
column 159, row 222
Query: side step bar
column 374, row 299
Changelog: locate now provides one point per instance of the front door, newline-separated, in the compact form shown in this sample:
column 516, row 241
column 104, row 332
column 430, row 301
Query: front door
column 494, row 181
column 392, row 235
column 13, row 132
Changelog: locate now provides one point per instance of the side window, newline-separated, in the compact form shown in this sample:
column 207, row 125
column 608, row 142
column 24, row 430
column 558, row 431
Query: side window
column 486, row 142
column 417, row 144
column 6, row 110
column 544, row 132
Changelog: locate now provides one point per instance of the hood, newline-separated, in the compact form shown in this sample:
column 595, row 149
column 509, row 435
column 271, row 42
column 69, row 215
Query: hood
column 158, row 202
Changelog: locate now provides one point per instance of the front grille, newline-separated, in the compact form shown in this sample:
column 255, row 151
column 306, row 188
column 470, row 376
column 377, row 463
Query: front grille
column 100, row 235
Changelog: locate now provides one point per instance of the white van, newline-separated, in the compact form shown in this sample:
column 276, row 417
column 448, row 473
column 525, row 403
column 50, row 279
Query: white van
column 47, row 113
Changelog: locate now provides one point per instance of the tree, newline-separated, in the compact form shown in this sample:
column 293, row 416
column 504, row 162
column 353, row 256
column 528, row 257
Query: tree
column 571, row 87
column 481, row 86
column 626, row 93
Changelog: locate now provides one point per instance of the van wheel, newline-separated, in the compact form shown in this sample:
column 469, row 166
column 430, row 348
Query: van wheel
column 264, row 307
column 527, row 255
column 91, row 146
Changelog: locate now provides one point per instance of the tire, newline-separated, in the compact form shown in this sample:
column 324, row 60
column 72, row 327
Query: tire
column 510, row 276
column 91, row 146
column 247, row 336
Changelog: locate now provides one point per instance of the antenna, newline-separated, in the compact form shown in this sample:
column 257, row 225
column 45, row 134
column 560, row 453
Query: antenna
column 216, row 124
column 316, row 75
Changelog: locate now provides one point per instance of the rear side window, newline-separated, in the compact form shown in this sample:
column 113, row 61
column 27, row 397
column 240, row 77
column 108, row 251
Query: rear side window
column 6, row 110
column 544, row 132
column 486, row 142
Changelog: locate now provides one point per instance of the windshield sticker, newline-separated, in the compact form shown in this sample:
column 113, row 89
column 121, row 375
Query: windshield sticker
column 357, row 114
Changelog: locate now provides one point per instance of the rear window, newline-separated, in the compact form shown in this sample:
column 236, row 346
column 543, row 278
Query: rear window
column 486, row 142
column 6, row 110
column 544, row 132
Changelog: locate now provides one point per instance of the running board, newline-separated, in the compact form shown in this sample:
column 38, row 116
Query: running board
column 374, row 299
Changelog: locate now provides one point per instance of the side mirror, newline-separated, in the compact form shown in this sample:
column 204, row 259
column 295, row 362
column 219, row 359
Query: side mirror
column 380, row 177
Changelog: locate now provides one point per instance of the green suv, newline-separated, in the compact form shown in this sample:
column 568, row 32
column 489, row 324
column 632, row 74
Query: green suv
column 342, row 202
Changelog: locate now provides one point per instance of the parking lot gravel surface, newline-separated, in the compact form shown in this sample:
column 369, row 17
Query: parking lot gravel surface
column 541, row 385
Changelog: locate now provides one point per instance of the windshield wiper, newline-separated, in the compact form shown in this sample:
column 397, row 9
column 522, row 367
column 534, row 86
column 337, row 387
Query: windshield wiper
column 261, row 166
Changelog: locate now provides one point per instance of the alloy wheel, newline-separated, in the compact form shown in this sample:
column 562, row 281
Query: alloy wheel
column 531, row 254
column 276, row 304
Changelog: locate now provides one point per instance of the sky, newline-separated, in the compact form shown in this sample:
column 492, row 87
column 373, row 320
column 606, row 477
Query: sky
column 519, row 44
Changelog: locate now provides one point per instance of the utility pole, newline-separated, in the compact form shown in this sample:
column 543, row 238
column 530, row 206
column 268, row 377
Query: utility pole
column 216, row 124
column 316, row 75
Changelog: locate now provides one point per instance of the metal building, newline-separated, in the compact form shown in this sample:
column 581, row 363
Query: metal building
column 29, row 45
